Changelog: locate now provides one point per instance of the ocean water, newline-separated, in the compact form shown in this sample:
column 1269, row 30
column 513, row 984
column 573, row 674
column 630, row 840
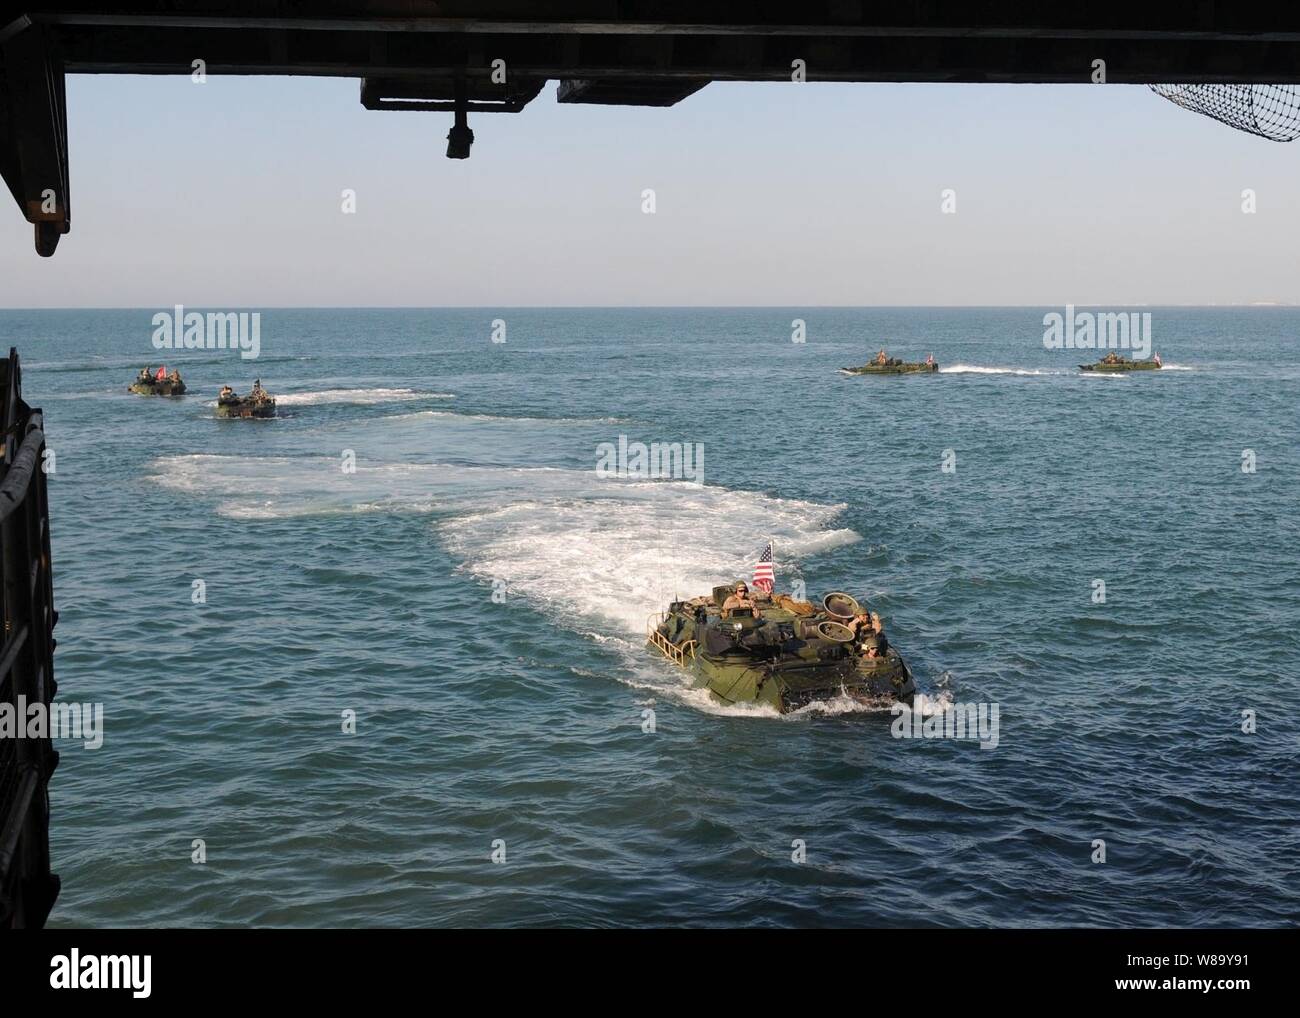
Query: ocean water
column 477, row 595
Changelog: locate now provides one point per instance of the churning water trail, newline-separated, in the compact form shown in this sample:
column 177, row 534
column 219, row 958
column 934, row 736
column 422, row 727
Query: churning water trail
column 596, row 556
column 975, row 369
column 360, row 397
column 588, row 551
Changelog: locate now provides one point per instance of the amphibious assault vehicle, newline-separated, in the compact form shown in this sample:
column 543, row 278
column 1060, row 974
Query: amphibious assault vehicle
column 893, row 366
column 784, row 653
column 258, row 403
column 1113, row 362
column 157, row 387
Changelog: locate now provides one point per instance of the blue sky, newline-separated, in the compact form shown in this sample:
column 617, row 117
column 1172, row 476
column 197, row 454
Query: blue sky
column 228, row 194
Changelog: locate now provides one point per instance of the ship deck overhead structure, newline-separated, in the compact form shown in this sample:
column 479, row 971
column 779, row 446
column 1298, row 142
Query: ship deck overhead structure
column 466, row 57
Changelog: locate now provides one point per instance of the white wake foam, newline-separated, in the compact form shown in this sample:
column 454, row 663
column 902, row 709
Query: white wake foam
column 603, row 550
column 610, row 554
column 976, row 369
column 364, row 397
column 596, row 555
column 416, row 414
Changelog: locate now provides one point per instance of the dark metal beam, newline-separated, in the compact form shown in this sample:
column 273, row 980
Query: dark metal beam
column 34, row 131
column 1154, row 19
column 716, row 58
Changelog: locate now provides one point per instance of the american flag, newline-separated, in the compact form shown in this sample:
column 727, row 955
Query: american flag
column 764, row 577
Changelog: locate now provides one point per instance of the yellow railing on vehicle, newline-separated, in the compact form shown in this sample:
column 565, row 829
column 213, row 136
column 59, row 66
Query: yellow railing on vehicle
column 677, row 655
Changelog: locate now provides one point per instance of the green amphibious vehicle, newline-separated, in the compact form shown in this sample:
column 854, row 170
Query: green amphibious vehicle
column 151, row 386
column 258, row 403
column 1112, row 362
column 882, row 365
column 781, row 652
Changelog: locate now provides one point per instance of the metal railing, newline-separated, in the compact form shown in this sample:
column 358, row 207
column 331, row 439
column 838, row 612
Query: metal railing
column 27, row 887
column 679, row 655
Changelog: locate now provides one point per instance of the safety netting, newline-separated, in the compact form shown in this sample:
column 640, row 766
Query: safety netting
column 1270, row 111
